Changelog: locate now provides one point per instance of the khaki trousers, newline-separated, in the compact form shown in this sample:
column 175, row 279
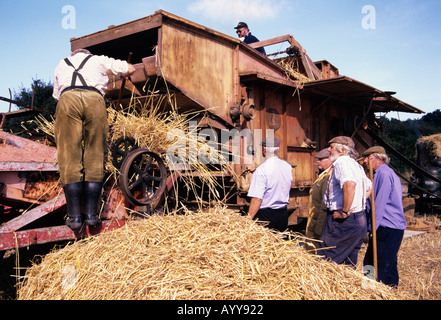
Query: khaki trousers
column 81, row 130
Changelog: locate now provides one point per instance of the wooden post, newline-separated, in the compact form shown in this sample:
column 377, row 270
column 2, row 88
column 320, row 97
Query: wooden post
column 374, row 228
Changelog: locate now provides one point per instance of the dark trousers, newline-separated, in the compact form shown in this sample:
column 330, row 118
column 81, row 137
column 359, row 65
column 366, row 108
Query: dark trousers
column 342, row 238
column 388, row 244
column 274, row 218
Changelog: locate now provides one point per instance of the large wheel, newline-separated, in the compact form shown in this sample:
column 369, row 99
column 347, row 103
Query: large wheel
column 143, row 177
column 121, row 148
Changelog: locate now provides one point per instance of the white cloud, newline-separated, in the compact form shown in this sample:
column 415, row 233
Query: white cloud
column 233, row 11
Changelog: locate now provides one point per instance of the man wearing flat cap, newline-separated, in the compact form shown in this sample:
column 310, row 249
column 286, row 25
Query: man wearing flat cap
column 389, row 216
column 317, row 208
column 270, row 187
column 345, row 224
column 245, row 35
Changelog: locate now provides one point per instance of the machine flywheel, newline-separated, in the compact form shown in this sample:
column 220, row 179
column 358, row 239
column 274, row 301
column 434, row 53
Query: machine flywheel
column 143, row 177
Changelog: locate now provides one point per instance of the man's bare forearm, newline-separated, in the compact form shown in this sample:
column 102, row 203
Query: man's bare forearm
column 254, row 207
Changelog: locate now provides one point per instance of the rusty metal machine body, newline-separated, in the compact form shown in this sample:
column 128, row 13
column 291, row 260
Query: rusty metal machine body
column 244, row 90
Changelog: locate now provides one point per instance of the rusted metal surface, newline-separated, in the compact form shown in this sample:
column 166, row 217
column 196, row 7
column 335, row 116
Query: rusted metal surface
column 30, row 189
column 27, row 166
column 33, row 214
column 219, row 73
column 20, row 154
column 18, row 239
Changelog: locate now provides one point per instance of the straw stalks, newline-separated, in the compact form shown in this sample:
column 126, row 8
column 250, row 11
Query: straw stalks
column 149, row 121
column 203, row 255
column 432, row 144
column 419, row 266
column 290, row 64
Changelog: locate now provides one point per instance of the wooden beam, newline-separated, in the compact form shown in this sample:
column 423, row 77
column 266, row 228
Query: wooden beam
column 272, row 41
column 115, row 32
column 25, row 238
column 34, row 214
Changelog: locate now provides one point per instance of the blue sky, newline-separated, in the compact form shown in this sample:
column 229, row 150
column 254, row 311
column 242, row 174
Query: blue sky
column 400, row 52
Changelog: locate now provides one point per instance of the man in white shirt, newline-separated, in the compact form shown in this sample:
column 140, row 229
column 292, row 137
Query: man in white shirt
column 81, row 129
column 345, row 226
column 270, row 187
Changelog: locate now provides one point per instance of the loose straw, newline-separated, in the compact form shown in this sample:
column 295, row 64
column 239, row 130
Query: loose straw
column 204, row 255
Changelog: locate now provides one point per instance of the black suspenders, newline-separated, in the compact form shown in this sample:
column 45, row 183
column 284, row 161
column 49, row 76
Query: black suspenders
column 76, row 74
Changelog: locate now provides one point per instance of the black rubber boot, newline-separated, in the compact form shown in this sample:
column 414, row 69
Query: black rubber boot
column 92, row 193
column 73, row 193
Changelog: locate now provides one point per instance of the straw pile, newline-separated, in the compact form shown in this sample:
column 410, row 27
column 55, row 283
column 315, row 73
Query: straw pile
column 419, row 266
column 433, row 144
column 216, row 255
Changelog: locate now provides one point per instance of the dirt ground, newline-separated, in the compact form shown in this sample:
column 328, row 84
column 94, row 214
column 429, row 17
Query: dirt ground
column 419, row 267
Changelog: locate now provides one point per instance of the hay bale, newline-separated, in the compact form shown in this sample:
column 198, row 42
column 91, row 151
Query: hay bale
column 217, row 255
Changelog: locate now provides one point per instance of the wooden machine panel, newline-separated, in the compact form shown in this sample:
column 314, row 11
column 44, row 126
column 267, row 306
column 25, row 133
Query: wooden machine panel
column 201, row 67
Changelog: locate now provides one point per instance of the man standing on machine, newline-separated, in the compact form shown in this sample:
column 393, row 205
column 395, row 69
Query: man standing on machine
column 81, row 129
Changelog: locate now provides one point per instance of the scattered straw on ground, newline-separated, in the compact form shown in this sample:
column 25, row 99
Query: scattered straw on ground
column 216, row 255
column 419, row 266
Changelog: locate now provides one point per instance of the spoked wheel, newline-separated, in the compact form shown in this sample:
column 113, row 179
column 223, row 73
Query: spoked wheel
column 143, row 177
column 121, row 148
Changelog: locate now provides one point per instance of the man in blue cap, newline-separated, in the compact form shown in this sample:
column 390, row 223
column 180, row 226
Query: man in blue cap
column 270, row 187
column 244, row 33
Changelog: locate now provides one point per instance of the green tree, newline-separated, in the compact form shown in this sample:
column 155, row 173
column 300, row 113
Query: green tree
column 431, row 123
column 24, row 124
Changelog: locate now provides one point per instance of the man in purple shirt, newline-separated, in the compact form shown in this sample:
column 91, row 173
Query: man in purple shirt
column 389, row 216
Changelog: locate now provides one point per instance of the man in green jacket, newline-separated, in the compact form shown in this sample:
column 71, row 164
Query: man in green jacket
column 317, row 208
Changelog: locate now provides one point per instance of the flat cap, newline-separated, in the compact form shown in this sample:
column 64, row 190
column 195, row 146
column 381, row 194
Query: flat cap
column 323, row 154
column 271, row 142
column 241, row 25
column 347, row 141
column 374, row 149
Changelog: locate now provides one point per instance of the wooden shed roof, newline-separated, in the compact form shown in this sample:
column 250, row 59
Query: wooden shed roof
column 347, row 89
